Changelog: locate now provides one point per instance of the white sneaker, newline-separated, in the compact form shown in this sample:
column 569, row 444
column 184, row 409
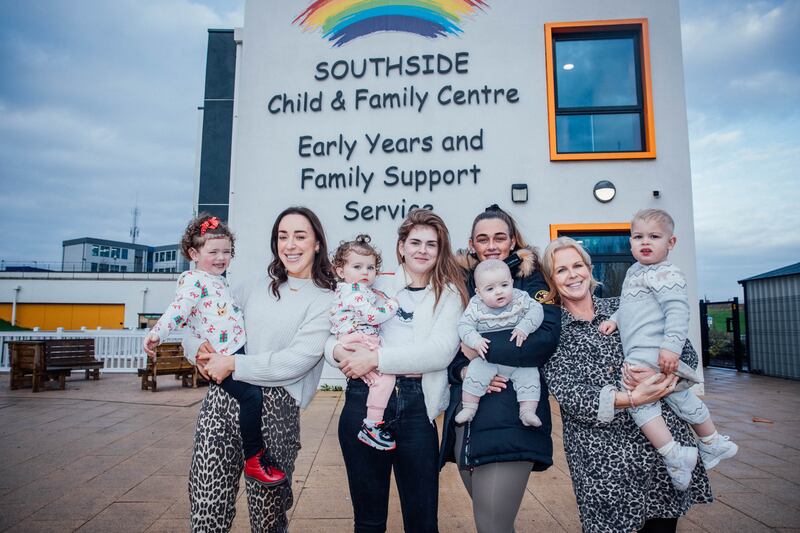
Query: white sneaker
column 680, row 464
column 720, row 448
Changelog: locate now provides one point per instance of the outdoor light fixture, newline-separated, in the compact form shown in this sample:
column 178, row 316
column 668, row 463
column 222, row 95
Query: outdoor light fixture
column 568, row 66
column 656, row 194
column 604, row 191
column 519, row 193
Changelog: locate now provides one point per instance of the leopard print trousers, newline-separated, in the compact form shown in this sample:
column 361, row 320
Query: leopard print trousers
column 218, row 460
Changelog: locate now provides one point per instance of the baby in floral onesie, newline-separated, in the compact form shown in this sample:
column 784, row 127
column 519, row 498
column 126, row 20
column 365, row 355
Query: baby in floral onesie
column 356, row 315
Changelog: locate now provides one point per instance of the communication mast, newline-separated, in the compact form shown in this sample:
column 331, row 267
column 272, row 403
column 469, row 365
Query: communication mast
column 135, row 226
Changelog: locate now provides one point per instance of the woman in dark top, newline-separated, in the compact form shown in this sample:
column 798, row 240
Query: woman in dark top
column 496, row 452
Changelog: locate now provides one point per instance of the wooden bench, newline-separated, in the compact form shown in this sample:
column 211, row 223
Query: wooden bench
column 169, row 361
column 51, row 359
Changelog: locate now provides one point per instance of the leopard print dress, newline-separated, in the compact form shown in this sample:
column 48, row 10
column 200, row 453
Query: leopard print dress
column 619, row 479
column 218, row 460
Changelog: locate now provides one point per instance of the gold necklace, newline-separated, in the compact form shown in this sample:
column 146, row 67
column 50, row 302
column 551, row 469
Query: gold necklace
column 298, row 287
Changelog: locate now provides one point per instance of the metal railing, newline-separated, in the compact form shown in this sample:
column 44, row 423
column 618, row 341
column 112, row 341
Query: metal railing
column 120, row 349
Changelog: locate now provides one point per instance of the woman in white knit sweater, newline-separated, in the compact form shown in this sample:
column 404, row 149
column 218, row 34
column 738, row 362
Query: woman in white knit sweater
column 286, row 317
column 418, row 344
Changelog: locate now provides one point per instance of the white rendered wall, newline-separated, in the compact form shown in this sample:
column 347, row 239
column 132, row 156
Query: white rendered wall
column 57, row 288
column 505, row 45
column 73, row 257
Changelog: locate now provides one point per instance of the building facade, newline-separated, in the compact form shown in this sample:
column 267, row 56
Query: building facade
column 571, row 115
column 99, row 255
column 773, row 332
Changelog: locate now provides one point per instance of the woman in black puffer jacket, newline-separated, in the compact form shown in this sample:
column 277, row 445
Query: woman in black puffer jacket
column 495, row 452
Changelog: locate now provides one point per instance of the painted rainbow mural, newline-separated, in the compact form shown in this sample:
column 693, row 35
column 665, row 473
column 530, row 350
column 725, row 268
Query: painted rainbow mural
column 341, row 21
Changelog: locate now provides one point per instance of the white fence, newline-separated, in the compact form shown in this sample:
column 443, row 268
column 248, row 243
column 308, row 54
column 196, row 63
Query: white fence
column 120, row 350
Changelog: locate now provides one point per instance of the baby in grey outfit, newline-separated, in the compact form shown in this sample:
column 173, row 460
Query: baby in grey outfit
column 497, row 306
column 653, row 319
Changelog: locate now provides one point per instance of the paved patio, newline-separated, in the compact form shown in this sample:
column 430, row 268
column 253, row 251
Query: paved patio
column 105, row 456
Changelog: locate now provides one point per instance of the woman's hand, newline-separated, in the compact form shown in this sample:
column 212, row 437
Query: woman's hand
column 633, row 375
column 216, row 366
column 200, row 362
column 468, row 352
column 654, row 388
column 357, row 360
column 497, row 384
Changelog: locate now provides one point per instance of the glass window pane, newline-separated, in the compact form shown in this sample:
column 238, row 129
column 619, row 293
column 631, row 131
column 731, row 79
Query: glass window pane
column 95, row 250
column 596, row 72
column 604, row 244
column 610, row 275
column 599, row 133
column 104, row 251
column 124, row 253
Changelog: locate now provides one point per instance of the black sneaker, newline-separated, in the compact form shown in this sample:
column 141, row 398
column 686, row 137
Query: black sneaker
column 377, row 437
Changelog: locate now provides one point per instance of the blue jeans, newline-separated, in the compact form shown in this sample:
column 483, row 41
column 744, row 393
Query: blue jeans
column 415, row 461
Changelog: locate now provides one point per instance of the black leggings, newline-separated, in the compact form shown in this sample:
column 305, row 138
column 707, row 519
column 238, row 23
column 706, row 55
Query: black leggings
column 660, row 525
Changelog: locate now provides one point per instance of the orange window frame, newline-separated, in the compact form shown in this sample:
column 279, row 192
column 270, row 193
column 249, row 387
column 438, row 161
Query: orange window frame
column 640, row 25
column 555, row 229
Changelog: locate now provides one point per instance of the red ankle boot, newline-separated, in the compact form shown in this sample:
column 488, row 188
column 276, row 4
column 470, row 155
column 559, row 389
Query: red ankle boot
column 258, row 468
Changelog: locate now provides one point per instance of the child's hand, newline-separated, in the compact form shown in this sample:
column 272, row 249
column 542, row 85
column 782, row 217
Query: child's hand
column 519, row 336
column 482, row 347
column 607, row 327
column 150, row 343
column 668, row 361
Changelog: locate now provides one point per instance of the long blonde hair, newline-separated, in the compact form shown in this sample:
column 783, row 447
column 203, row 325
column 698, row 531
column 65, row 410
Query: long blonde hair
column 548, row 262
column 445, row 270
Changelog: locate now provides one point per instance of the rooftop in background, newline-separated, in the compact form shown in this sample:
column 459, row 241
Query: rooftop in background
column 88, row 254
column 789, row 270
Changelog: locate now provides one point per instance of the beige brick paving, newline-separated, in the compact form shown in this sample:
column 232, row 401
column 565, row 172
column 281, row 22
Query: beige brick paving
column 105, row 456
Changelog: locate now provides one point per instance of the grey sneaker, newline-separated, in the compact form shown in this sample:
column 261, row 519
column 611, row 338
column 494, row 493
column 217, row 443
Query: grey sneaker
column 680, row 464
column 720, row 448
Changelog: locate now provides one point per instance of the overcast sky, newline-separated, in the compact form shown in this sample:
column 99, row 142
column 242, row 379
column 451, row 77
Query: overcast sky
column 98, row 107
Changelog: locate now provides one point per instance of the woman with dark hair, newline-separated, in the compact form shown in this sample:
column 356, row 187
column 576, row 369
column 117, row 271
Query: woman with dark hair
column 495, row 452
column 286, row 315
column 418, row 344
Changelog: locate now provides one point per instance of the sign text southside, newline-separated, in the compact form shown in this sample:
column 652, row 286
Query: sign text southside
column 409, row 97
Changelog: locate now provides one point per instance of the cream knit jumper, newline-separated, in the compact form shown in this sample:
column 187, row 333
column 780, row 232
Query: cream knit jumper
column 285, row 339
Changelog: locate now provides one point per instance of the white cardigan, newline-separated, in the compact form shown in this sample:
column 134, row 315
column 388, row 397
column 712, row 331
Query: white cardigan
column 435, row 343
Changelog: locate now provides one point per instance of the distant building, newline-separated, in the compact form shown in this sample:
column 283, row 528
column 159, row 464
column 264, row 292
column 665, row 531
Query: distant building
column 772, row 315
column 88, row 254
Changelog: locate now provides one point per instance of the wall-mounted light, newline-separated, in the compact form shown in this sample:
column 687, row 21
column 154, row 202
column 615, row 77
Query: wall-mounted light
column 604, row 191
column 568, row 66
column 519, row 193
column 656, row 194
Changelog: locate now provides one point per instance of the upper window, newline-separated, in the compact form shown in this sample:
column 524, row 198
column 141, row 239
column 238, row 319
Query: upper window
column 599, row 99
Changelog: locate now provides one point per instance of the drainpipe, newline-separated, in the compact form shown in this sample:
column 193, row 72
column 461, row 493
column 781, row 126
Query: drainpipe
column 144, row 300
column 14, row 305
